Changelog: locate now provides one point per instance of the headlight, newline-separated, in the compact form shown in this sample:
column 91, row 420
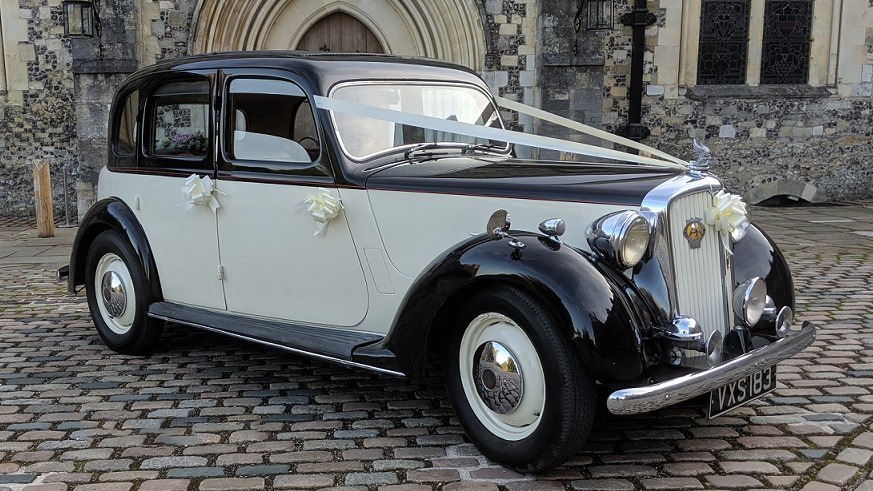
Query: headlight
column 750, row 299
column 622, row 237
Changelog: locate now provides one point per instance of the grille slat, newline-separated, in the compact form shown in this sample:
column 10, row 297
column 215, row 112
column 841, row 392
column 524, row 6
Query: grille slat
column 700, row 273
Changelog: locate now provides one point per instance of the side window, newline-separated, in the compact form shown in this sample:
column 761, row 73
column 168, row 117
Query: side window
column 178, row 121
column 125, row 131
column 269, row 120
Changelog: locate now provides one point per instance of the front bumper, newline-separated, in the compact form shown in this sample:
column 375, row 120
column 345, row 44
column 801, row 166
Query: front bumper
column 638, row 400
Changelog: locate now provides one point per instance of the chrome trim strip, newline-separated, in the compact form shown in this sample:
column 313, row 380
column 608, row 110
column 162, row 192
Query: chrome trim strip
column 296, row 351
column 638, row 400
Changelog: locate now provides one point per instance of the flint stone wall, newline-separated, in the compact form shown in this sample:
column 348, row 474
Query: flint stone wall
column 806, row 142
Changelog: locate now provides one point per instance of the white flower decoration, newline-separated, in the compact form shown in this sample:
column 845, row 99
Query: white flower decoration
column 728, row 214
column 323, row 207
column 199, row 191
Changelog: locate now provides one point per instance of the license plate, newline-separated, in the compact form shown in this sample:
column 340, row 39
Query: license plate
column 739, row 392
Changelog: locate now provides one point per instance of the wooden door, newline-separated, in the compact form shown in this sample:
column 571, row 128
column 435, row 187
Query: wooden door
column 340, row 32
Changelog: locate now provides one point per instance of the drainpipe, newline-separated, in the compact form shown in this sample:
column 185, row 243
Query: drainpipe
column 639, row 18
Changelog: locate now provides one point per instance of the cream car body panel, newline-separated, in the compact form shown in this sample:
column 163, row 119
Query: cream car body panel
column 183, row 240
column 437, row 222
column 276, row 267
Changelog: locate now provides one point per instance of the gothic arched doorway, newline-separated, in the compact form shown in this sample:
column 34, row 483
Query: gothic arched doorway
column 340, row 32
column 448, row 29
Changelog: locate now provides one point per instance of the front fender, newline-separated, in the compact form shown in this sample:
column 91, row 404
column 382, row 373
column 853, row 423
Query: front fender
column 112, row 214
column 757, row 255
column 598, row 310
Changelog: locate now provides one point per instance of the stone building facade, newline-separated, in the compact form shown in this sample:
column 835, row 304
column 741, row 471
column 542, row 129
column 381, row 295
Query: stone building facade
column 810, row 138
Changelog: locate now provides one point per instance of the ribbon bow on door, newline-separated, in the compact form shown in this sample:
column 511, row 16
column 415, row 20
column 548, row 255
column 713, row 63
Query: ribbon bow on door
column 322, row 207
column 199, row 191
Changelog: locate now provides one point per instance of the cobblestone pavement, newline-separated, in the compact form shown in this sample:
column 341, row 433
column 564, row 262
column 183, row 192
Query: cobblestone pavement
column 210, row 413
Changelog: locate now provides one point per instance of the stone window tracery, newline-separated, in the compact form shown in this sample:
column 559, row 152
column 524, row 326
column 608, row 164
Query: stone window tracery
column 785, row 54
column 724, row 39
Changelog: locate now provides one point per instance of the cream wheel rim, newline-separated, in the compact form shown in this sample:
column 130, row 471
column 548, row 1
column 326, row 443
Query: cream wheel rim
column 502, row 376
column 116, row 298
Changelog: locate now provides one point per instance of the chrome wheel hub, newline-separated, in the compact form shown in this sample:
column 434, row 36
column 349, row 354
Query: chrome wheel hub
column 114, row 296
column 497, row 376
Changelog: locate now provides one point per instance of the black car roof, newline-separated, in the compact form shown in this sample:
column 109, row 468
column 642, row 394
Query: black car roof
column 325, row 69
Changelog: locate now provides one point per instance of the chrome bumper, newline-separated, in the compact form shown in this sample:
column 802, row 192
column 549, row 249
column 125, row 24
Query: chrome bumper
column 638, row 400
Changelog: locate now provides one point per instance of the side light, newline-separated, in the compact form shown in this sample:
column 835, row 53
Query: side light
column 621, row 237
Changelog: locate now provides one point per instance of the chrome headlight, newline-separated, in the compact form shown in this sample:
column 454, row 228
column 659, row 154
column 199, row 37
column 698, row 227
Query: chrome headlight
column 750, row 299
column 622, row 237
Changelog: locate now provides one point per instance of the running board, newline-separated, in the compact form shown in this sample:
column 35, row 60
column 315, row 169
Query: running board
column 329, row 344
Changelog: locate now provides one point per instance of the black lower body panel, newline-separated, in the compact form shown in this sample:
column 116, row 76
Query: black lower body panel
column 329, row 344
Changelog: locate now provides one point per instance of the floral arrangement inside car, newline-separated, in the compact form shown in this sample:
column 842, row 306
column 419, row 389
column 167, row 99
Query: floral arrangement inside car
column 356, row 209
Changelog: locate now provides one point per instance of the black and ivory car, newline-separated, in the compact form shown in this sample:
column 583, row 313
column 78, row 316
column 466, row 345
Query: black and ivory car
column 309, row 202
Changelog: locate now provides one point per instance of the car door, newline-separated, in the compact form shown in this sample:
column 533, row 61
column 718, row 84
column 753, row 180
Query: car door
column 176, row 126
column 275, row 264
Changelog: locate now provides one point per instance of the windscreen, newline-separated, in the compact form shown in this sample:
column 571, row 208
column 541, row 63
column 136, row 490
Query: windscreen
column 362, row 137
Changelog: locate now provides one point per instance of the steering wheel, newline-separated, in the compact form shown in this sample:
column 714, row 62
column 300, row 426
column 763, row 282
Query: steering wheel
column 314, row 141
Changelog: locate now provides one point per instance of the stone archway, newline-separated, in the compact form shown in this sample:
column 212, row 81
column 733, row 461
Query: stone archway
column 447, row 29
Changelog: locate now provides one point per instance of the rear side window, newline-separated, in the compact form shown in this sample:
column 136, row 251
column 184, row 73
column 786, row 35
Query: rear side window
column 179, row 120
column 269, row 120
column 125, row 134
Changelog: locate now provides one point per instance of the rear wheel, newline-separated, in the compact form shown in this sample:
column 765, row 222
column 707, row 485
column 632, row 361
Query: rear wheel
column 118, row 296
column 516, row 383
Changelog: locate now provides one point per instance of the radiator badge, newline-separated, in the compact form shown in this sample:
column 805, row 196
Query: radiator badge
column 694, row 231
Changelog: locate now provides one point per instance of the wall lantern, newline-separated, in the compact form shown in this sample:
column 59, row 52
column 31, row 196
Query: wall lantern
column 80, row 17
column 600, row 15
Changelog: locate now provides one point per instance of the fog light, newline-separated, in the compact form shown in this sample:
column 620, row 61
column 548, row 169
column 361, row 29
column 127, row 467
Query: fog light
column 784, row 321
column 714, row 347
column 750, row 299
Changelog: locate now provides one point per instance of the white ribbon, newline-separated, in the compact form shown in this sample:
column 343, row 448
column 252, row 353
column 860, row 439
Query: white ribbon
column 199, row 191
column 584, row 128
column 485, row 132
column 322, row 206
column 728, row 214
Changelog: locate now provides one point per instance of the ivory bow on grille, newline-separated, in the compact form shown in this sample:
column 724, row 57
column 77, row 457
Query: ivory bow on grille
column 728, row 214
column 322, row 206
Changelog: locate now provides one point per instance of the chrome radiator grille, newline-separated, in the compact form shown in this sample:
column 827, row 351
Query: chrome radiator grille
column 702, row 277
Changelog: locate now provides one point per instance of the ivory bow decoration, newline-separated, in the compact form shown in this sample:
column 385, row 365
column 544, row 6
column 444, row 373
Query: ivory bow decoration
column 728, row 214
column 199, row 191
column 322, row 206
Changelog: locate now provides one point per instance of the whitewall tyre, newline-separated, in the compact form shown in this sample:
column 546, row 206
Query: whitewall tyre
column 516, row 382
column 118, row 296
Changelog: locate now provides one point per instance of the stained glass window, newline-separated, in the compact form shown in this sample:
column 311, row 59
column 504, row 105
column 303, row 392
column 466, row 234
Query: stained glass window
column 724, row 38
column 785, row 55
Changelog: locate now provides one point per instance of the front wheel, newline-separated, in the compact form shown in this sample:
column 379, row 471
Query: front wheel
column 118, row 296
column 516, row 383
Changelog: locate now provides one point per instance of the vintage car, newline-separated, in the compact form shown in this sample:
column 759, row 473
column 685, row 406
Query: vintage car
column 270, row 197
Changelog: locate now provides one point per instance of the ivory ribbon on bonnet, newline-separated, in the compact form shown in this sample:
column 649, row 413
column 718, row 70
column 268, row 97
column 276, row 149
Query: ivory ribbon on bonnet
column 322, row 207
column 515, row 137
column 199, row 191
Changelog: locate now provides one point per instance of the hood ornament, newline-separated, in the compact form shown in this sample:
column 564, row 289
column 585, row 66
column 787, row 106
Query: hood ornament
column 702, row 157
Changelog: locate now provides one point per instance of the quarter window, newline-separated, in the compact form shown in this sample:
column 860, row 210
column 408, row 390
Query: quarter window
column 270, row 120
column 180, row 120
column 125, row 134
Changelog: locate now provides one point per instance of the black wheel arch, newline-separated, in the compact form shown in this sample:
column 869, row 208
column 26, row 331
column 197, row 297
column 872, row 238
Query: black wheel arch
column 604, row 317
column 112, row 214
